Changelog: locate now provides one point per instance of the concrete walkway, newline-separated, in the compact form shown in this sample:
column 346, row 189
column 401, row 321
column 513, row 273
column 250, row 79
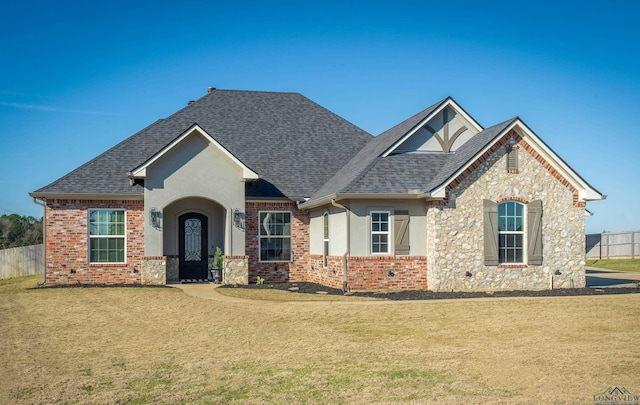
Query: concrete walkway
column 610, row 278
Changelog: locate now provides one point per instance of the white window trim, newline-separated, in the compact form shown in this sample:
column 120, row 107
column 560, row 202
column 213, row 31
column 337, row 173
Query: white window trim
column 387, row 232
column 260, row 237
column 524, row 232
column 89, row 236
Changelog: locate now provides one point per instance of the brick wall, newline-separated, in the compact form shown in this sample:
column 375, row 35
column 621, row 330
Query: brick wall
column 387, row 273
column 277, row 272
column 67, row 244
column 331, row 275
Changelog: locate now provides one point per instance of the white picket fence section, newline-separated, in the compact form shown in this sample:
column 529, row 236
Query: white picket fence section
column 613, row 245
column 22, row 261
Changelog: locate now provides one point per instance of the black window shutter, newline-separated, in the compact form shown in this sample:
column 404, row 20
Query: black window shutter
column 490, row 209
column 534, row 232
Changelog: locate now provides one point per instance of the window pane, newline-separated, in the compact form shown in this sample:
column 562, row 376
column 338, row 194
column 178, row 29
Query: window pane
column 106, row 250
column 379, row 243
column 275, row 249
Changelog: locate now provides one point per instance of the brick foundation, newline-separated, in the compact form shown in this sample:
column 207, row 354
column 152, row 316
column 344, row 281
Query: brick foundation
column 67, row 244
column 387, row 273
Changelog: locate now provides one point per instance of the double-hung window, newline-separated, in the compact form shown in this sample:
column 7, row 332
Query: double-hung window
column 107, row 236
column 380, row 232
column 511, row 231
column 275, row 236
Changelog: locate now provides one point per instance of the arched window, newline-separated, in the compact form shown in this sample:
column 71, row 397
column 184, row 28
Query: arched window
column 325, row 238
column 511, row 232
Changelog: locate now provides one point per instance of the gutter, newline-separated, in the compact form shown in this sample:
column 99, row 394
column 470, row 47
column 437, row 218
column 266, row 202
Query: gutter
column 43, row 204
column 347, row 253
column 411, row 195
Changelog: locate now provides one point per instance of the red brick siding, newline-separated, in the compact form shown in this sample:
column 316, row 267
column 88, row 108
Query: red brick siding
column 331, row 275
column 277, row 272
column 67, row 251
column 373, row 273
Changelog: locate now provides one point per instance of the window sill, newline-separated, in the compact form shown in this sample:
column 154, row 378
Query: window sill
column 513, row 266
column 109, row 264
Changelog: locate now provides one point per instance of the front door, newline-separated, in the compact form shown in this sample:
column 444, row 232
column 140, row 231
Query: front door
column 193, row 246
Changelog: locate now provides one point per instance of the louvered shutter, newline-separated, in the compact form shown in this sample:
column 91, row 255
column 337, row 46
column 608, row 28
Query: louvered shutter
column 512, row 160
column 534, row 232
column 401, row 232
column 490, row 218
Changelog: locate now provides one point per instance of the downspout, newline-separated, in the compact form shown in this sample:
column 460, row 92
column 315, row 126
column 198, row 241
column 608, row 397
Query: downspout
column 345, row 280
column 43, row 204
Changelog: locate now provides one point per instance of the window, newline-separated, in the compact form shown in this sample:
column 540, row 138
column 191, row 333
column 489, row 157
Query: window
column 511, row 232
column 275, row 236
column 380, row 232
column 106, row 236
column 505, row 227
column 325, row 238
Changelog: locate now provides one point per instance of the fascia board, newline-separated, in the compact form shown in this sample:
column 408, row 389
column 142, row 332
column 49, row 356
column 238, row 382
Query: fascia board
column 449, row 102
column 87, row 196
column 364, row 196
column 141, row 171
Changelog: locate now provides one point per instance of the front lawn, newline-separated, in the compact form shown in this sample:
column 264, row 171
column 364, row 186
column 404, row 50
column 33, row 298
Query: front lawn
column 160, row 345
column 616, row 264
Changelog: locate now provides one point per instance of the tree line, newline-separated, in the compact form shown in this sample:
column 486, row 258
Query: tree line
column 16, row 230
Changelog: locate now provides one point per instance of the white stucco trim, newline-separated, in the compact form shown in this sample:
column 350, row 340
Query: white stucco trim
column 449, row 102
column 140, row 172
column 585, row 191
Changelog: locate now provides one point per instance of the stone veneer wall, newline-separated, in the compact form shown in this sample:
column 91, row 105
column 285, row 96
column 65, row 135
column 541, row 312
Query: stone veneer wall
column 274, row 272
column 67, row 243
column 455, row 238
column 235, row 270
column 154, row 270
column 387, row 273
column 173, row 269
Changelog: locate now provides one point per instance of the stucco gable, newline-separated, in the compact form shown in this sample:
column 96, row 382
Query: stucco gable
column 140, row 172
column 444, row 129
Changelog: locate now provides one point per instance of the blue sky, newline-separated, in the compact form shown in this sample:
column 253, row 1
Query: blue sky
column 79, row 77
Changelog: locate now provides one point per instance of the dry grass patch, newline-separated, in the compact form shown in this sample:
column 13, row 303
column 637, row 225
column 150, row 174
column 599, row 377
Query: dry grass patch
column 144, row 345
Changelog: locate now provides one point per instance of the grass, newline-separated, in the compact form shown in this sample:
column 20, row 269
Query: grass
column 151, row 345
column 616, row 264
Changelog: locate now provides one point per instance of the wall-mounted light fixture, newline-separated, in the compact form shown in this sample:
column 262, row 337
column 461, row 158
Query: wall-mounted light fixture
column 155, row 218
column 238, row 219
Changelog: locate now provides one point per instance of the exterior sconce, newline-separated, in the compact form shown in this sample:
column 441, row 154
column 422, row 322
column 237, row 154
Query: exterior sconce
column 155, row 218
column 238, row 219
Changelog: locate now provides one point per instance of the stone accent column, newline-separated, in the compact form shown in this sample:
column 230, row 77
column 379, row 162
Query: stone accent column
column 235, row 270
column 154, row 270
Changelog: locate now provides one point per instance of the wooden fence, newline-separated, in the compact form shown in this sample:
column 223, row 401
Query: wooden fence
column 22, row 261
column 614, row 245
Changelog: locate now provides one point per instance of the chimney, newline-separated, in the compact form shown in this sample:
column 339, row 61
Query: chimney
column 210, row 89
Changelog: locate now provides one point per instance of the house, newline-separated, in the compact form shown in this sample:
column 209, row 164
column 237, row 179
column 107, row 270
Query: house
column 292, row 192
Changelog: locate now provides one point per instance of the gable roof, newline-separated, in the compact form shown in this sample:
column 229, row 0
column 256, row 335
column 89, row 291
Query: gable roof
column 364, row 160
column 292, row 143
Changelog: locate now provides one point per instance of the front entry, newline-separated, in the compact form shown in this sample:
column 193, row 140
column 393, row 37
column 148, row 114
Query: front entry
column 193, row 243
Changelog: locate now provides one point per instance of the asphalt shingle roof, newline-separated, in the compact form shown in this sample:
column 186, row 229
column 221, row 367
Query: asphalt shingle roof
column 294, row 144
column 360, row 164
